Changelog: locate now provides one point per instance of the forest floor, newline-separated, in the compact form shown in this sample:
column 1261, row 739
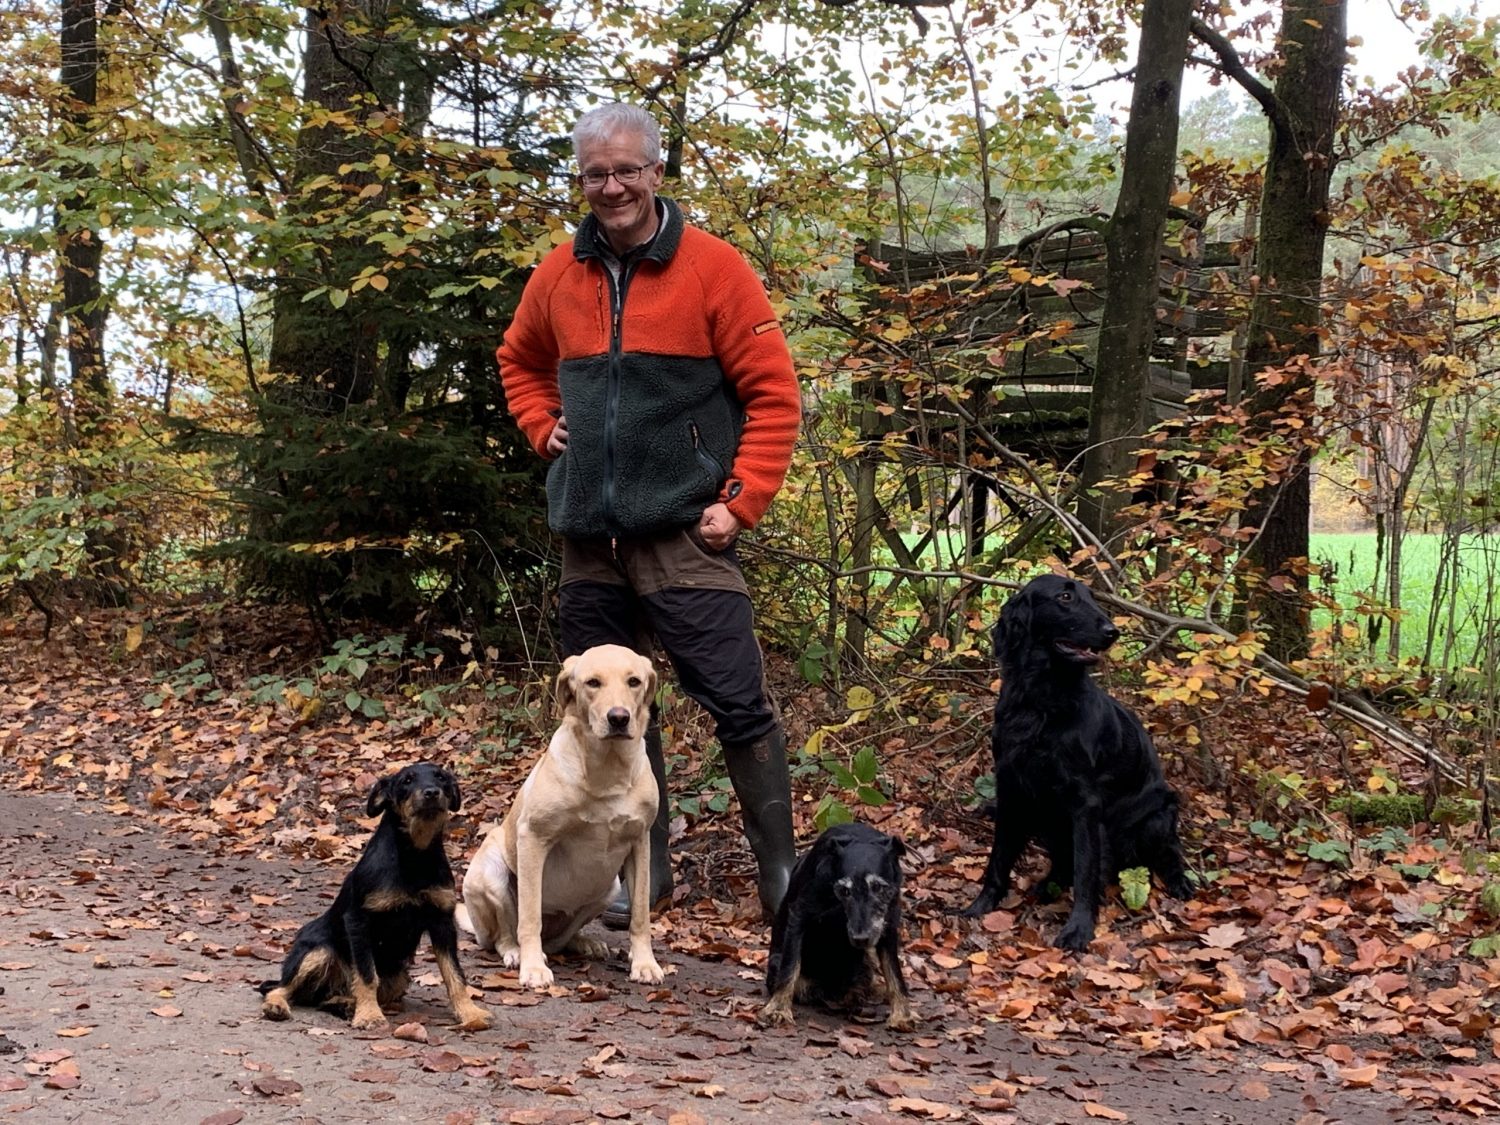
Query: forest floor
column 161, row 852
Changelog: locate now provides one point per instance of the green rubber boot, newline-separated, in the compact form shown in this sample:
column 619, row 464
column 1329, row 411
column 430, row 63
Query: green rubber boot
column 763, row 783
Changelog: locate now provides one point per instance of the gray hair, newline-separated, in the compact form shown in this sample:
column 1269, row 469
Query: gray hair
column 602, row 123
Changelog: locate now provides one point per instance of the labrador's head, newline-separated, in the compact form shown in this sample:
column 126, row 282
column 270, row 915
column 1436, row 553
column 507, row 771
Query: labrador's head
column 608, row 690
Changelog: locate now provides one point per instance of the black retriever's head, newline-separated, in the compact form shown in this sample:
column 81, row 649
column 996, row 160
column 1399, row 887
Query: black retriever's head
column 421, row 797
column 868, row 883
column 1055, row 620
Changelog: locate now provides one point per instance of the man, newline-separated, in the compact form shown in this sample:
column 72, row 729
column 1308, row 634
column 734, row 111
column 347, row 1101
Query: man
column 646, row 362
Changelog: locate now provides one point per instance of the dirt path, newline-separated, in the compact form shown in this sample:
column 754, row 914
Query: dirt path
column 127, row 957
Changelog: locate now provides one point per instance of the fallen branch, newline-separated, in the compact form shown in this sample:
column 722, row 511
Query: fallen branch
column 1358, row 711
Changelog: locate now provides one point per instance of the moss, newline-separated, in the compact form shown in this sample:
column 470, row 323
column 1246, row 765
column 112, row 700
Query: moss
column 1400, row 809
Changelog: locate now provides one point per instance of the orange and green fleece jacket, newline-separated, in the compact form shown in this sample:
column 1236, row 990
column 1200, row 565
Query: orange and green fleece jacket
column 674, row 377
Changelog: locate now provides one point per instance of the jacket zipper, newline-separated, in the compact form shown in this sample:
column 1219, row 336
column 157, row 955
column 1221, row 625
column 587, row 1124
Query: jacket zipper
column 705, row 458
column 617, row 290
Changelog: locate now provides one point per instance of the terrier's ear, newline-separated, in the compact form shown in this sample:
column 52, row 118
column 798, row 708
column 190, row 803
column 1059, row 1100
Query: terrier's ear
column 380, row 797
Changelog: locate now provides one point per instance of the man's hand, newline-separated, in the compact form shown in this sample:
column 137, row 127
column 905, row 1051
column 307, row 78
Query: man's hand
column 557, row 440
column 718, row 527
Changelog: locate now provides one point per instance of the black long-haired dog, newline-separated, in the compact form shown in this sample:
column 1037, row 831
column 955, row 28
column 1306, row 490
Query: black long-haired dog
column 1074, row 768
column 839, row 922
column 357, row 954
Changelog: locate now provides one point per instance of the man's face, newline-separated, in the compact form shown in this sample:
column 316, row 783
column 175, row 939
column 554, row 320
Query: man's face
column 625, row 212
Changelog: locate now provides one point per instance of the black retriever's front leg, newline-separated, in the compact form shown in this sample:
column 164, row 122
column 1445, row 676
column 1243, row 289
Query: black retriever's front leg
column 1059, row 876
column 1010, row 840
column 1088, row 875
column 1164, row 852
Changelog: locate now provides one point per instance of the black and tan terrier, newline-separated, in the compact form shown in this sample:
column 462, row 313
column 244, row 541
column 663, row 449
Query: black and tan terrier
column 358, row 954
column 839, row 923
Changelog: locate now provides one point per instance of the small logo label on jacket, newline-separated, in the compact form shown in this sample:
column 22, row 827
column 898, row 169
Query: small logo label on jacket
column 768, row 326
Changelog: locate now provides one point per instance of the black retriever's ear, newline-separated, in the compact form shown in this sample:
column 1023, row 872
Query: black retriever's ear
column 450, row 787
column 380, row 797
column 1013, row 633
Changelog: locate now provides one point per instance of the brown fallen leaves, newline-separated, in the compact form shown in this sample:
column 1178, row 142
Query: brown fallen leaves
column 1360, row 971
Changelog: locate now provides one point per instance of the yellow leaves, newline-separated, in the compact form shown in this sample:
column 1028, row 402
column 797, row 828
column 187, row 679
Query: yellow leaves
column 860, row 701
column 377, row 281
column 134, row 636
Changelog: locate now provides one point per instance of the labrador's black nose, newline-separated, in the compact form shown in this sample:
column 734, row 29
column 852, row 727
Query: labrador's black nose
column 618, row 718
column 1111, row 633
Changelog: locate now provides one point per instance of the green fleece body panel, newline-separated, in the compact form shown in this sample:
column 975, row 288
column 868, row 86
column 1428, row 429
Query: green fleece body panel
column 665, row 452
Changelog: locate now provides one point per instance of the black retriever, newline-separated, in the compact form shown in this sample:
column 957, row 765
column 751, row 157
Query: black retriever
column 839, row 921
column 1073, row 768
column 358, row 953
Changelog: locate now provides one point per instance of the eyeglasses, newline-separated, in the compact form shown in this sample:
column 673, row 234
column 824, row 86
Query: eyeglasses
column 623, row 176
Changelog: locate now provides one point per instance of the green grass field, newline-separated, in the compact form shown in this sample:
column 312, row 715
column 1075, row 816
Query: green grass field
column 1476, row 604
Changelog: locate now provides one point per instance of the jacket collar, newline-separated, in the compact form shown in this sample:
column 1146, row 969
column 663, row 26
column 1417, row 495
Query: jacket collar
column 661, row 248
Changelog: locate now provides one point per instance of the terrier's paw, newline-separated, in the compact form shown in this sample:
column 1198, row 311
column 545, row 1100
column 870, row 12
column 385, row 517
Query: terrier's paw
column 777, row 1013
column 473, row 1018
column 365, row 1020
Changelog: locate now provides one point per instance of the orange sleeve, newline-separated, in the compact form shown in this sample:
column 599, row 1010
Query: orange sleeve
column 753, row 352
column 528, row 357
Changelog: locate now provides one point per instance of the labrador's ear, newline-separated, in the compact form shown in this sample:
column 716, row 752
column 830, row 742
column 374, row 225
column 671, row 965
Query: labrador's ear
column 651, row 682
column 380, row 797
column 563, row 689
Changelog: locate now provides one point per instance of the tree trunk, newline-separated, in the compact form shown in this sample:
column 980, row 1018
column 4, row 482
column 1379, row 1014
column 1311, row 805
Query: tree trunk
column 328, row 353
column 81, row 250
column 1120, row 402
column 81, row 247
column 1285, row 314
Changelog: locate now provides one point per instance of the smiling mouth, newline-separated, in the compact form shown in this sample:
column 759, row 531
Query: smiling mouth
column 1081, row 653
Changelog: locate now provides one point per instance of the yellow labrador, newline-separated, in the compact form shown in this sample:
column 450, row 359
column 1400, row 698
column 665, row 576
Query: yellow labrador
column 552, row 864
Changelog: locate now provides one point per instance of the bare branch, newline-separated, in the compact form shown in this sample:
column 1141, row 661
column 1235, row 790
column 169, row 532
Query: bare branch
column 1233, row 66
